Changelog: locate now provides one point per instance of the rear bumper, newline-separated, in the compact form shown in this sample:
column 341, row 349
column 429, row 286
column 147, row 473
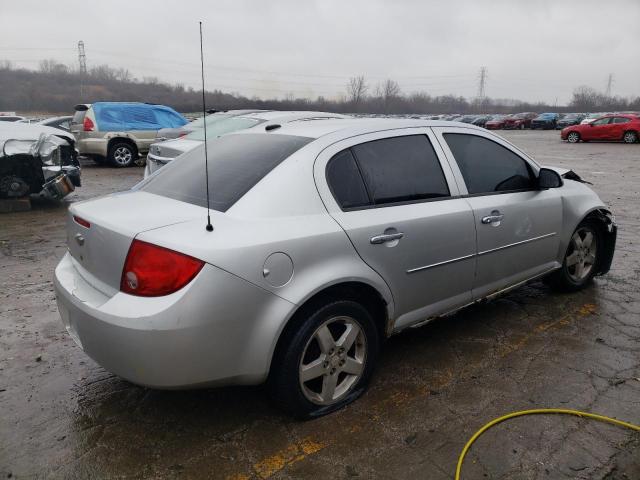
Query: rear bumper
column 218, row 330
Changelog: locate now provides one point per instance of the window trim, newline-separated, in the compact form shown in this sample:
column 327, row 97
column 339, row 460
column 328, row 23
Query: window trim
column 372, row 204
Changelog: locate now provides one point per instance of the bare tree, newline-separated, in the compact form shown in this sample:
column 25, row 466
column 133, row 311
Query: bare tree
column 390, row 92
column 356, row 90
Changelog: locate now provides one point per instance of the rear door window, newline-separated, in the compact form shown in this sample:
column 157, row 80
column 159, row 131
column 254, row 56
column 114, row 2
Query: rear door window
column 345, row 181
column 236, row 164
column 400, row 169
column 621, row 120
column 487, row 166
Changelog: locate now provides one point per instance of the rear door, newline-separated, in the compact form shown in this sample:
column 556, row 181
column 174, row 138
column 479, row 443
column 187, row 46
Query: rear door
column 517, row 225
column 398, row 202
column 617, row 128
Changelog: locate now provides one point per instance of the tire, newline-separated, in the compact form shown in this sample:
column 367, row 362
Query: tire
column 122, row 154
column 581, row 259
column 630, row 137
column 310, row 347
column 573, row 137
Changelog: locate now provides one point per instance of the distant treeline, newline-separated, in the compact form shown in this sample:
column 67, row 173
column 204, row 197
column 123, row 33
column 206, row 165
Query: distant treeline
column 56, row 88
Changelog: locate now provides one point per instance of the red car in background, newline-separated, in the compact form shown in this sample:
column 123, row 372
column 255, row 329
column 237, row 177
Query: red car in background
column 496, row 122
column 519, row 121
column 614, row 127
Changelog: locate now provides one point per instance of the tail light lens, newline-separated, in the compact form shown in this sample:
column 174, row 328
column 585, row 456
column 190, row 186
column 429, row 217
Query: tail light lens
column 88, row 125
column 153, row 271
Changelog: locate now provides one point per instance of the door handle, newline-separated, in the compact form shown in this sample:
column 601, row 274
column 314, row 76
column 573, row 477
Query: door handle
column 495, row 216
column 388, row 237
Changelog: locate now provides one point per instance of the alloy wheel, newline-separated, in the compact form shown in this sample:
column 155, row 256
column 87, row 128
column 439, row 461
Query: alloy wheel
column 581, row 257
column 333, row 360
column 630, row 137
column 573, row 137
column 122, row 155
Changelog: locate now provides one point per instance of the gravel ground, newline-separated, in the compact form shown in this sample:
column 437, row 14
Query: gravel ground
column 63, row 416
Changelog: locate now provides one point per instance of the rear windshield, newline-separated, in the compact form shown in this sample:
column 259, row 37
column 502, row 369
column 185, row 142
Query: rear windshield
column 78, row 116
column 236, row 164
column 217, row 127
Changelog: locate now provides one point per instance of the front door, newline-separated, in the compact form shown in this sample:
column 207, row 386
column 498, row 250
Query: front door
column 599, row 130
column 398, row 204
column 518, row 226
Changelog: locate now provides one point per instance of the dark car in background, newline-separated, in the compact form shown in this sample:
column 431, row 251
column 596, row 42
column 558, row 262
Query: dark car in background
column 467, row 118
column 570, row 119
column 481, row 120
column 519, row 121
column 545, row 121
column 496, row 122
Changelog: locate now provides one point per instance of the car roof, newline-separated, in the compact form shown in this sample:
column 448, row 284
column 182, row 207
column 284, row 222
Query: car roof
column 53, row 119
column 28, row 131
column 348, row 127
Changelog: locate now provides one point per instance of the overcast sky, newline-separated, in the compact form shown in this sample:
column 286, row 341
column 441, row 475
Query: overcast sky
column 533, row 49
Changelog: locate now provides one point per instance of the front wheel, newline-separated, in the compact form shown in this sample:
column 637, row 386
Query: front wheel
column 581, row 259
column 326, row 360
column 630, row 137
column 573, row 137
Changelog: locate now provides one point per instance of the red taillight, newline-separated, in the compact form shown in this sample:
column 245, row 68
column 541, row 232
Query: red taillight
column 81, row 221
column 153, row 271
column 88, row 125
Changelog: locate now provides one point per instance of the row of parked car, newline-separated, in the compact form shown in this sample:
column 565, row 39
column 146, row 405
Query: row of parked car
column 121, row 133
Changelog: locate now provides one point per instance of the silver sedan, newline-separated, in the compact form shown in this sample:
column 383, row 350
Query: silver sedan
column 328, row 236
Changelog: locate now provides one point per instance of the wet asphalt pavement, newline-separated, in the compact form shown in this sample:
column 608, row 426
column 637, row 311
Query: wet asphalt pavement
column 63, row 416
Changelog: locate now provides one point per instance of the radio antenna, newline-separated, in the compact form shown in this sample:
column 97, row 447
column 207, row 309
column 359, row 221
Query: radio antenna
column 209, row 227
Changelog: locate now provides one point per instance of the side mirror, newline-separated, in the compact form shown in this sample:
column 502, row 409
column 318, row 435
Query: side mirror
column 548, row 178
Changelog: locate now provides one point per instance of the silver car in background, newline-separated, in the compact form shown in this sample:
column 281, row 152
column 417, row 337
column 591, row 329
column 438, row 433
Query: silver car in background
column 328, row 236
column 161, row 153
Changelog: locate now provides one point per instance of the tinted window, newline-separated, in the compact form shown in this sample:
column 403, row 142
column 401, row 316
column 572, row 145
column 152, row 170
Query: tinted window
column 602, row 121
column 345, row 181
column 487, row 166
column 621, row 120
column 401, row 169
column 236, row 164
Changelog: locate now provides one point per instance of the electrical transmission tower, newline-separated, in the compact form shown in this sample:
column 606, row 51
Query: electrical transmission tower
column 482, row 82
column 82, row 60
column 609, row 85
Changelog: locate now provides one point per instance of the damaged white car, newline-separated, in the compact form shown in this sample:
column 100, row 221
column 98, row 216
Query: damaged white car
column 35, row 159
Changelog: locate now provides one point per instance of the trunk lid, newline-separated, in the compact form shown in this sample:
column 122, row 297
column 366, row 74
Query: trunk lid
column 113, row 222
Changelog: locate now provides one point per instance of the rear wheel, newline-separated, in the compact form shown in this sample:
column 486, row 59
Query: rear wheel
column 327, row 361
column 573, row 137
column 630, row 137
column 581, row 259
column 122, row 154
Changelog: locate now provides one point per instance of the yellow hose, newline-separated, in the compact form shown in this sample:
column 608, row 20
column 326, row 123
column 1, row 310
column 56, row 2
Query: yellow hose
column 538, row 411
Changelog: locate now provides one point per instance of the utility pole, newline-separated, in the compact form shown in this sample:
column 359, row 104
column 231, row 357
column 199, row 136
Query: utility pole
column 82, row 60
column 482, row 82
column 609, row 85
